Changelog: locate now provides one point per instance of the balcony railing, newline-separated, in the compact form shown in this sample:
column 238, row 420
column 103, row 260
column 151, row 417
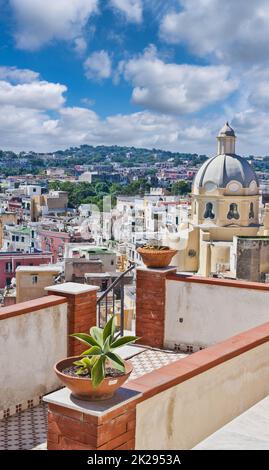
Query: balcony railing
column 112, row 300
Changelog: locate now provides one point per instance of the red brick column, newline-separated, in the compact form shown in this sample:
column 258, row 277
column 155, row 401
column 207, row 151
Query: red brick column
column 81, row 300
column 150, row 305
column 74, row 430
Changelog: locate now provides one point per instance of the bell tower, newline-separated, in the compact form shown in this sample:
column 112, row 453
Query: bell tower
column 226, row 140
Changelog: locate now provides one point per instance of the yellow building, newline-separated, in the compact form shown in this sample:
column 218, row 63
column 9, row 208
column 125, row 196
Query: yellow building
column 7, row 218
column 225, row 204
column 54, row 203
column 31, row 281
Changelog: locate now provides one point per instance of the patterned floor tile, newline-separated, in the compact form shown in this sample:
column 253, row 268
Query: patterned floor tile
column 24, row 430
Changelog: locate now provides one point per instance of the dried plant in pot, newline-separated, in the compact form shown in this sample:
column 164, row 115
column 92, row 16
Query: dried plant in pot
column 99, row 371
column 156, row 256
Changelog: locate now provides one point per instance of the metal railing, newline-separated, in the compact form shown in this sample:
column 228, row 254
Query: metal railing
column 112, row 299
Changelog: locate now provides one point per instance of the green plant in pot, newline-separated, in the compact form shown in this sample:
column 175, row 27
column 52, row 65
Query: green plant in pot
column 99, row 371
column 155, row 255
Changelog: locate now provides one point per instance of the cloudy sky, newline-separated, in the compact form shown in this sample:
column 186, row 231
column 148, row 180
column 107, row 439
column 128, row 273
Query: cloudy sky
column 152, row 73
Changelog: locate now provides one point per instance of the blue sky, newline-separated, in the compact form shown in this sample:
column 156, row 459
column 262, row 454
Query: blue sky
column 133, row 72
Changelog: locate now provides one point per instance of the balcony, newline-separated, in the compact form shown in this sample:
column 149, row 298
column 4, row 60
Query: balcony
column 172, row 400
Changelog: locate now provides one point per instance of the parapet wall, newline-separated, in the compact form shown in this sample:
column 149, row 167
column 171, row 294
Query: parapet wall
column 200, row 312
column 33, row 337
column 194, row 397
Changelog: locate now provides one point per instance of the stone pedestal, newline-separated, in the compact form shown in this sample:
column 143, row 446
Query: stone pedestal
column 150, row 305
column 81, row 300
column 81, row 425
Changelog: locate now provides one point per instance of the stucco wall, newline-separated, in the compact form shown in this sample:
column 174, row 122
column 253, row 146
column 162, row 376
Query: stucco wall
column 184, row 415
column 200, row 315
column 30, row 344
column 27, row 290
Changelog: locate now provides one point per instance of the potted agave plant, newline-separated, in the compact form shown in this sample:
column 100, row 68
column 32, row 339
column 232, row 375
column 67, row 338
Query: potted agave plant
column 99, row 371
column 155, row 255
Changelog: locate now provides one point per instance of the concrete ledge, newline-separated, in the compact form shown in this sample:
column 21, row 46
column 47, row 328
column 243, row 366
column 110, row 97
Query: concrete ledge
column 71, row 288
column 64, row 398
column 157, row 270
column 31, row 306
column 218, row 282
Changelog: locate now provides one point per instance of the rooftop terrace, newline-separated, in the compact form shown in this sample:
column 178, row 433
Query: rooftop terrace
column 172, row 400
column 28, row 429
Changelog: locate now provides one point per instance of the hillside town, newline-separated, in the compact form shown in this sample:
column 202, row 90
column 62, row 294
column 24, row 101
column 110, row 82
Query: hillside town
column 84, row 223
column 134, row 232
column 176, row 262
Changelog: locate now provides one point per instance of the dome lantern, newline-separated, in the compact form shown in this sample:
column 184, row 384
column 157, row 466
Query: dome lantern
column 226, row 140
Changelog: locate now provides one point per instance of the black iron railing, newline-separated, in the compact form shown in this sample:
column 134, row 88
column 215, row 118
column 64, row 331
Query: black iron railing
column 112, row 300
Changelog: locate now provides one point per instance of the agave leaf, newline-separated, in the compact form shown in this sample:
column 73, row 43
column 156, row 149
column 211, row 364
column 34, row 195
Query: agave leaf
column 78, row 363
column 98, row 372
column 94, row 351
column 86, row 339
column 97, row 334
column 109, row 328
column 114, row 337
column 106, row 346
column 117, row 361
column 123, row 340
column 86, row 362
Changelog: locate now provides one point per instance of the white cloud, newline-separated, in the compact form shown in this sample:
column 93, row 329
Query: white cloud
column 252, row 129
column 255, row 88
column 231, row 31
column 80, row 45
column 88, row 102
column 34, row 95
column 98, row 65
column 26, row 129
column 15, row 75
column 26, row 120
column 174, row 88
column 33, row 129
column 39, row 22
column 132, row 9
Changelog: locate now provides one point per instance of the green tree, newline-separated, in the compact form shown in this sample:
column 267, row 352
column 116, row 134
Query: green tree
column 180, row 188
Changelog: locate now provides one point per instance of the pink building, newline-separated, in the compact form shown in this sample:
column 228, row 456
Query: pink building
column 53, row 242
column 9, row 261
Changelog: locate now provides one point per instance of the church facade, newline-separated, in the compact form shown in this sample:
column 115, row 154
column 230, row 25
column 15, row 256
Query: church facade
column 225, row 207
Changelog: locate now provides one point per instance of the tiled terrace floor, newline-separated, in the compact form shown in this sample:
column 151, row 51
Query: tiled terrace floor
column 28, row 429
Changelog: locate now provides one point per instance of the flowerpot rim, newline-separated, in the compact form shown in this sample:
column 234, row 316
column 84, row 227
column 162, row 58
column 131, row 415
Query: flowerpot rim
column 128, row 369
column 152, row 251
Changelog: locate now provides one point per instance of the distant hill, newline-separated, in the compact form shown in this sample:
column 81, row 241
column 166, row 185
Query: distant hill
column 33, row 162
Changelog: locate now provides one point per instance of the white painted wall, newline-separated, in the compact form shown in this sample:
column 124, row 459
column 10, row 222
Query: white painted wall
column 184, row 415
column 30, row 344
column 210, row 313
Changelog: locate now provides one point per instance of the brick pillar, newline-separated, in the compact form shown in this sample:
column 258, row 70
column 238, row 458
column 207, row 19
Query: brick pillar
column 78, row 429
column 150, row 305
column 81, row 300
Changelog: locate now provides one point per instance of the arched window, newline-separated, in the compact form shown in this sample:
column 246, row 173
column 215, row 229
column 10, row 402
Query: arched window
column 209, row 214
column 233, row 212
column 251, row 211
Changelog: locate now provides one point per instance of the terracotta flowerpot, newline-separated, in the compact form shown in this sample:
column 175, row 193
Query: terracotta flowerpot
column 81, row 387
column 156, row 258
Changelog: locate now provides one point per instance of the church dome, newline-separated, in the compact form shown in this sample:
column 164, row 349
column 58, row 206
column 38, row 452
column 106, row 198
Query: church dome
column 226, row 170
column 221, row 170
